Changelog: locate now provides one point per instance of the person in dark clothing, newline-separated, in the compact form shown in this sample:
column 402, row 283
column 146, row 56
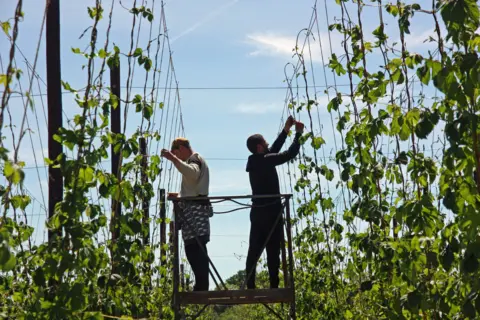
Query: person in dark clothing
column 266, row 213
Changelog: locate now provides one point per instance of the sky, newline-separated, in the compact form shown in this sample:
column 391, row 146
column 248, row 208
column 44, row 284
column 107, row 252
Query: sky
column 229, row 58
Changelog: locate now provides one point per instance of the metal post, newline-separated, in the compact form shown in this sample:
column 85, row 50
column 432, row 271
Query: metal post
column 290, row 258
column 54, row 96
column 163, row 227
column 176, row 302
column 284, row 258
column 115, row 122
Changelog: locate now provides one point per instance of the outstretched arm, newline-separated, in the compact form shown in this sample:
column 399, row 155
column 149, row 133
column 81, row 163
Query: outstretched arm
column 278, row 144
column 188, row 170
column 276, row 159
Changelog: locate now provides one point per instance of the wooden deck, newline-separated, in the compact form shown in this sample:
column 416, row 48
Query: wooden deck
column 284, row 295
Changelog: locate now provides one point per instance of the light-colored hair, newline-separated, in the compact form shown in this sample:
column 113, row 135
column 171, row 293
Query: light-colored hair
column 180, row 141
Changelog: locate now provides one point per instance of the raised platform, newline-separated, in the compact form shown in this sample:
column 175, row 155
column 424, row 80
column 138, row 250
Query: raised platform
column 284, row 295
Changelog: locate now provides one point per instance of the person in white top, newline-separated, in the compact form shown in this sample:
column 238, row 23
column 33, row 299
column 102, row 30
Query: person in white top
column 193, row 215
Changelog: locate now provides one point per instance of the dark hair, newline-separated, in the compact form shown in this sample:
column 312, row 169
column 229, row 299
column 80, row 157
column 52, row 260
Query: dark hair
column 253, row 141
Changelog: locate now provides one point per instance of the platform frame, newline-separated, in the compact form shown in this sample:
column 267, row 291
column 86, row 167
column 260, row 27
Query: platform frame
column 236, row 297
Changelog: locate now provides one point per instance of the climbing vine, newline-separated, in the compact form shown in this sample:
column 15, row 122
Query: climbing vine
column 416, row 255
column 399, row 240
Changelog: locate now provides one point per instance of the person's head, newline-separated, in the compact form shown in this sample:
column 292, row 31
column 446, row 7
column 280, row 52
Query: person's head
column 257, row 144
column 181, row 148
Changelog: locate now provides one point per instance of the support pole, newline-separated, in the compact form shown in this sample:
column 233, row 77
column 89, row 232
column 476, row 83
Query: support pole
column 115, row 122
column 290, row 258
column 145, row 203
column 146, row 211
column 284, row 258
column 163, row 227
column 182, row 277
column 176, row 302
column 54, row 97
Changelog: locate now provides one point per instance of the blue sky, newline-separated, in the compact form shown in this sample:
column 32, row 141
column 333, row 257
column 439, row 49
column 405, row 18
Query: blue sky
column 216, row 44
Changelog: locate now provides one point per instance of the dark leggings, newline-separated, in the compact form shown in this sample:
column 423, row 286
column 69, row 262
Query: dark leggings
column 198, row 260
column 259, row 232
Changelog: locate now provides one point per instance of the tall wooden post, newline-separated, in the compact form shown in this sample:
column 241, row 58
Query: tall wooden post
column 145, row 208
column 163, row 227
column 115, row 123
column 54, row 98
column 145, row 202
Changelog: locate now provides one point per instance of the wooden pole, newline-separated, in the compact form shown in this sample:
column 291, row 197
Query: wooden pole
column 182, row 276
column 163, row 227
column 54, row 98
column 145, row 203
column 115, row 123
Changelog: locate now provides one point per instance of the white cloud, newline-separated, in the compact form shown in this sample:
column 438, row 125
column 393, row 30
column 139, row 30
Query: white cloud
column 417, row 40
column 271, row 44
column 258, row 108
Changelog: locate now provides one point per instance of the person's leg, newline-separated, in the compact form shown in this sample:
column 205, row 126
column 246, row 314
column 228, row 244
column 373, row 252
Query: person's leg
column 273, row 253
column 256, row 242
column 202, row 277
column 197, row 258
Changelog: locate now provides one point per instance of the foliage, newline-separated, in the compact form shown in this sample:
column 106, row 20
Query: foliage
column 417, row 256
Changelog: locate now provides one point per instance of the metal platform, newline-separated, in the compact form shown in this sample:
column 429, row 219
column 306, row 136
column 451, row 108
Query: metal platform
column 283, row 295
column 233, row 297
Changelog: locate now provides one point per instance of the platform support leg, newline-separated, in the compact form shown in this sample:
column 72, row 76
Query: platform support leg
column 290, row 259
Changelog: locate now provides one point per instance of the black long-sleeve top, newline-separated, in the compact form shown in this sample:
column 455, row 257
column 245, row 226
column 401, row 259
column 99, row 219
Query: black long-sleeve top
column 263, row 174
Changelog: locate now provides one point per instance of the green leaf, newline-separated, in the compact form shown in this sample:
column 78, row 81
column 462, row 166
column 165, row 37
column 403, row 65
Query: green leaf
column 102, row 54
column 3, row 80
column 6, row 27
column 336, row 66
column 424, row 74
column 348, row 314
column 20, row 201
column 7, row 259
column 147, row 111
column 148, row 64
column 13, row 173
column 138, row 52
column 317, row 142
column 334, row 103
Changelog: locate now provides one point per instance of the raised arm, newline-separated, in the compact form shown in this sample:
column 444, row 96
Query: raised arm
column 190, row 170
column 276, row 159
column 278, row 143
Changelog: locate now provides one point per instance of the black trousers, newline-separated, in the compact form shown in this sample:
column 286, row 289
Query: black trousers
column 198, row 260
column 259, row 231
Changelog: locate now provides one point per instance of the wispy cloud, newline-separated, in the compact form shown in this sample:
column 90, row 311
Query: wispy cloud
column 206, row 19
column 271, row 44
column 258, row 108
column 417, row 40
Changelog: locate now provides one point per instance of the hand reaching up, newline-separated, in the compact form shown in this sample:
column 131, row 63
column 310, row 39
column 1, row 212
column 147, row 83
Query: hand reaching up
column 289, row 123
column 299, row 126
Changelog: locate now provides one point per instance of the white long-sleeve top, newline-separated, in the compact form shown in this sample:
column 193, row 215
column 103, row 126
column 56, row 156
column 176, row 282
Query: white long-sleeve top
column 195, row 176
